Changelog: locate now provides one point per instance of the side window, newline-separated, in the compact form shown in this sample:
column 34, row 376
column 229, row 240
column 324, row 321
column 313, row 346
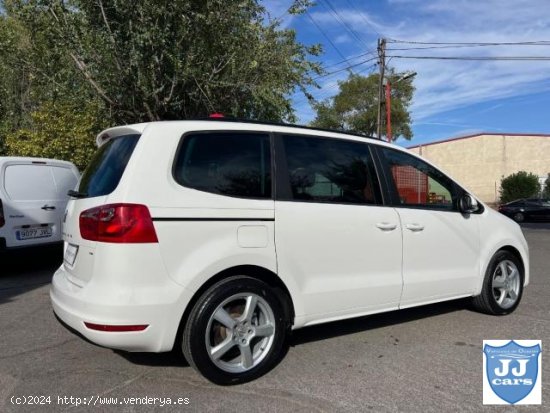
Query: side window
column 419, row 184
column 227, row 163
column 330, row 170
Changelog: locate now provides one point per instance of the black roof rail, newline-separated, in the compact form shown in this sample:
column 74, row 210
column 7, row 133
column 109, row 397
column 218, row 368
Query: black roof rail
column 272, row 123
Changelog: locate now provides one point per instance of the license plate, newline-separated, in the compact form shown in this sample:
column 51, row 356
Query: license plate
column 70, row 254
column 32, row 233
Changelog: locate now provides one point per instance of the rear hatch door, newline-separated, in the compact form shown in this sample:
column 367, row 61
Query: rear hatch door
column 99, row 180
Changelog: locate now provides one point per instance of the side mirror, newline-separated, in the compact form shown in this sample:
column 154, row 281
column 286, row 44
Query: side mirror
column 468, row 204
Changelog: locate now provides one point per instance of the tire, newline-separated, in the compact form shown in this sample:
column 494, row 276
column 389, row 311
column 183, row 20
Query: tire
column 502, row 286
column 254, row 340
column 519, row 217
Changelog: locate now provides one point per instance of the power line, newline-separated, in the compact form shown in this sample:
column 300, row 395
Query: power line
column 338, row 17
column 345, row 68
column 369, row 24
column 461, row 46
column 335, row 85
column 489, row 58
column 535, row 42
column 370, row 52
column 327, row 37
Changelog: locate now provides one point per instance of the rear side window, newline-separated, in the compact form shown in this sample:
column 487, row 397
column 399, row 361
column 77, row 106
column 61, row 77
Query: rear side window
column 330, row 170
column 30, row 183
column 228, row 163
column 103, row 174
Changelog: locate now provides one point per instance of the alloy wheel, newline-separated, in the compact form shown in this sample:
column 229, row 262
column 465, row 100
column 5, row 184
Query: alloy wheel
column 240, row 333
column 506, row 284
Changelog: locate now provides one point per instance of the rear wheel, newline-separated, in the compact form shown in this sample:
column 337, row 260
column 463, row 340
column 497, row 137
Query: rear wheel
column 502, row 286
column 236, row 331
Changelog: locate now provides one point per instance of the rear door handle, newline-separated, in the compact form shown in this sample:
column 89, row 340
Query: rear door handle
column 414, row 227
column 48, row 207
column 386, row 226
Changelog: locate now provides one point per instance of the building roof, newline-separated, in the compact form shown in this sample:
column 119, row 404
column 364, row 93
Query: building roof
column 543, row 135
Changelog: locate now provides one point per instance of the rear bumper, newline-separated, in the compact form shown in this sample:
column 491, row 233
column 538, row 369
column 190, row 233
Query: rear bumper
column 74, row 305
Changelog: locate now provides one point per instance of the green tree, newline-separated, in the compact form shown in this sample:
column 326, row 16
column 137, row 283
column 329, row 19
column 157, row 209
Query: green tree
column 149, row 60
column 546, row 190
column 60, row 131
column 355, row 107
column 519, row 185
column 38, row 82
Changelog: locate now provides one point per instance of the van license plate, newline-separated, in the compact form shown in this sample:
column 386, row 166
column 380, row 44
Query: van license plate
column 32, row 233
column 70, row 254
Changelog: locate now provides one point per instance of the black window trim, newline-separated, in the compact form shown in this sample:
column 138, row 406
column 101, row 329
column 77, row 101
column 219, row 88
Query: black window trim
column 458, row 191
column 234, row 131
column 283, row 191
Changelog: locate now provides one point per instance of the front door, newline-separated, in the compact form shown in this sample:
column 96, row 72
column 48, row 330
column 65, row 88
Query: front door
column 440, row 244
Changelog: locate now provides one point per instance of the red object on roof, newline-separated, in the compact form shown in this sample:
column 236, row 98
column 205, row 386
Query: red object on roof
column 216, row 115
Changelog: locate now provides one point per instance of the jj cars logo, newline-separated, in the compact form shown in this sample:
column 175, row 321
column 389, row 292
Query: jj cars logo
column 512, row 372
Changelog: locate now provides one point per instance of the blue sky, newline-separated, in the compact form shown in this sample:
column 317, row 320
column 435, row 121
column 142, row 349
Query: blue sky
column 452, row 98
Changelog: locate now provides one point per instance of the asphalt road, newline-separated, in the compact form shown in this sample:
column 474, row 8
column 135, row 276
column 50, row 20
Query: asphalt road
column 418, row 360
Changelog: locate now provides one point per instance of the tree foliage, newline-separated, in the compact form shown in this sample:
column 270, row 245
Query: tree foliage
column 59, row 131
column 355, row 107
column 519, row 185
column 108, row 62
column 151, row 60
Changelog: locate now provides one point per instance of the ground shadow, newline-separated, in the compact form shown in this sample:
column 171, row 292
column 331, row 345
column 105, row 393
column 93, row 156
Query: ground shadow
column 24, row 270
column 318, row 332
column 373, row 322
column 170, row 359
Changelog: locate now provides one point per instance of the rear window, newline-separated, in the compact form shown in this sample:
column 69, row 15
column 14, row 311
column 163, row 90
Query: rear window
column 227, row 163
column 103, row 174
column 30, row 183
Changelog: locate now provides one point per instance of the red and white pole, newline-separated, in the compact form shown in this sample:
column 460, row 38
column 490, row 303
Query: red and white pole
column 388, row 111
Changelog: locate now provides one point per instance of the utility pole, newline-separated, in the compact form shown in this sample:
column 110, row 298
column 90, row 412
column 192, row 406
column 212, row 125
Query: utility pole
column 382, row 67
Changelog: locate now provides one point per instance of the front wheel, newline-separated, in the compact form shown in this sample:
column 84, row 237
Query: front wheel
column 503, row 285
column 236, row 331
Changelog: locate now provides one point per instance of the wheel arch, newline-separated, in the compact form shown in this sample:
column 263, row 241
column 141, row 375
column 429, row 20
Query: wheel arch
column 512, row 250
column 254, row 271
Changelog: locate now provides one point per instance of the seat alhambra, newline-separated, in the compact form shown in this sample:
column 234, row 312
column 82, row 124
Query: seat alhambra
column 218, row 238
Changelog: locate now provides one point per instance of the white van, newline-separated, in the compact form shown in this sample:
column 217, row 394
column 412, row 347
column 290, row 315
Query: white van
column 218, row 237
column 33, row 197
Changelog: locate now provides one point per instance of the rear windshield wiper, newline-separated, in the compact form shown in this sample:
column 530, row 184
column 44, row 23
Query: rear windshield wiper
column 76, row 194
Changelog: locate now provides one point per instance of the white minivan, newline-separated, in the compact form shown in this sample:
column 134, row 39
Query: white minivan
column 33, row 196
column 219, row 237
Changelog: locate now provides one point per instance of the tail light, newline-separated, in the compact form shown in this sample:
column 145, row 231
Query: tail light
column 118, row 223
column 2, row 219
